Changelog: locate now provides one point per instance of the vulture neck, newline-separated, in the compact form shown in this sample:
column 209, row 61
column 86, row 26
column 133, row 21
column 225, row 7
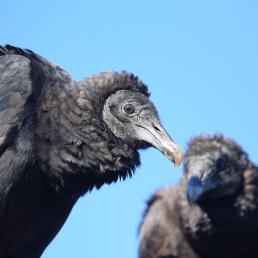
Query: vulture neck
column 77, row 151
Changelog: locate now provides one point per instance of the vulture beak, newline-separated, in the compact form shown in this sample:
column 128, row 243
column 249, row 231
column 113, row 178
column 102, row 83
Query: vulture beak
column 198, row 190
column 154, row 134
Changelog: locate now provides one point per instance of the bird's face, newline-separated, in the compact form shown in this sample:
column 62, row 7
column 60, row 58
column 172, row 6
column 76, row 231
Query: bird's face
column 213, row 173
column 132, row 118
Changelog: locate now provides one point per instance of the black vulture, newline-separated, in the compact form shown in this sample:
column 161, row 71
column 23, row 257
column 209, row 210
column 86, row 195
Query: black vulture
column 212, row 212
column 59, row 138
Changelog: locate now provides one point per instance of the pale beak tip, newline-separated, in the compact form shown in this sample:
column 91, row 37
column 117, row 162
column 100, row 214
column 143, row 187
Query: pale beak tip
column 176, row 156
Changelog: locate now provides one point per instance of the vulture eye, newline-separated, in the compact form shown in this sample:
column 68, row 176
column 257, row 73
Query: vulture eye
column 221, row 163
column 129, row 108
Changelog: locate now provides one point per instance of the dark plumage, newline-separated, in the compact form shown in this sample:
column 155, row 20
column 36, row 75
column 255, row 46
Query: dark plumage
column 59, row 138
column 212, row 212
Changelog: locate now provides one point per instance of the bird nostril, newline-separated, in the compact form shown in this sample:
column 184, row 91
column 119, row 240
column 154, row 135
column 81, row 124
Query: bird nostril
column 156, row 128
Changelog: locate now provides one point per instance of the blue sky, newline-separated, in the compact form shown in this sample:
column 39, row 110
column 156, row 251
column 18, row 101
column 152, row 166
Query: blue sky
column 200, row 61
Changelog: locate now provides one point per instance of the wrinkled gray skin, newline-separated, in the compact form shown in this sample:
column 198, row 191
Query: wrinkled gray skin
column 212, row 212
column 59, row 138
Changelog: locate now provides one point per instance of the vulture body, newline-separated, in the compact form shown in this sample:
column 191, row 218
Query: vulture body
column 212, row 212
column 59, row 138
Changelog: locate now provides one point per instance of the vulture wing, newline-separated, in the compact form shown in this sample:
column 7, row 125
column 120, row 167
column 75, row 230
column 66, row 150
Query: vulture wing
column 15, row 88
column 15, row 92
column 160, row 230
column 23, row 76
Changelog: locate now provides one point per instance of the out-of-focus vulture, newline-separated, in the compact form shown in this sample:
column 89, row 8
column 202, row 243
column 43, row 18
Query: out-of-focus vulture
column 212, row 213
column 59, row 138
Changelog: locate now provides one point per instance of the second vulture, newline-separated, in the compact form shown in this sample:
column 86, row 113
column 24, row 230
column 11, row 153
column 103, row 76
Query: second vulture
column 212, row 212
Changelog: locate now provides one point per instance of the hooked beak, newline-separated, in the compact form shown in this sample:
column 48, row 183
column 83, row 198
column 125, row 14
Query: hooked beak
column 156, row 135
column 194, row 190
column 198, row 190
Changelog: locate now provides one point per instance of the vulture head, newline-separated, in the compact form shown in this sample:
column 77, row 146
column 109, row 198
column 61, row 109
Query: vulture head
column 214, row 168
column 133, row 119
column 109, row 117
column 218, row 198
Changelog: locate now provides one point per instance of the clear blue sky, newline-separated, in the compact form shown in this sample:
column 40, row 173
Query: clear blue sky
column 200, row 60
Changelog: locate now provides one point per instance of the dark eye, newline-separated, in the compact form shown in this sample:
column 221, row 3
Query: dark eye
column 129, row 108
column 222, row 163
